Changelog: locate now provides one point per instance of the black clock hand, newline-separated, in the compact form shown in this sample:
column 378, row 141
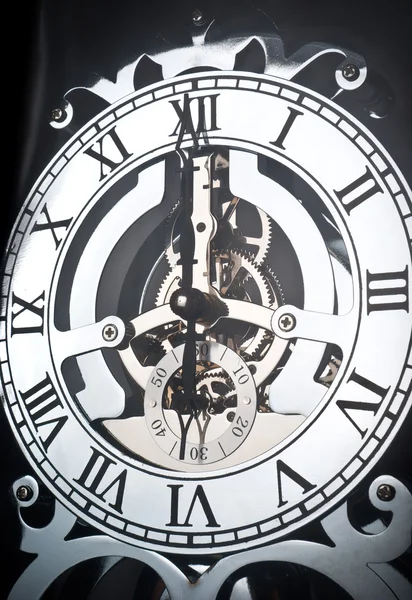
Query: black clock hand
column 183, row 302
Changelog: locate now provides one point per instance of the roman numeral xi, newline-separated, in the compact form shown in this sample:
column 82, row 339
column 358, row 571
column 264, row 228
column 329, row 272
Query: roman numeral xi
column 110, row 152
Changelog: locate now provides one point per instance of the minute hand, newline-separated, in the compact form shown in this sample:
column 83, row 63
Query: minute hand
column 203, row 222
column 187, row 237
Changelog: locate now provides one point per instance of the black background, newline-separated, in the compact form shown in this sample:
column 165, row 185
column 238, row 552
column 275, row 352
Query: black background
column 55, row 45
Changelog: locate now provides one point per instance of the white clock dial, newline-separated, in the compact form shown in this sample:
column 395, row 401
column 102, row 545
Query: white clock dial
column 301, row 260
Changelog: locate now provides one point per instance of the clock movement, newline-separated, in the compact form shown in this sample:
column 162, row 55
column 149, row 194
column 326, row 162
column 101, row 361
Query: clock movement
column 205, row 328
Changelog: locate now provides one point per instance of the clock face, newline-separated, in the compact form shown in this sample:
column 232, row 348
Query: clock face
column 207, row 313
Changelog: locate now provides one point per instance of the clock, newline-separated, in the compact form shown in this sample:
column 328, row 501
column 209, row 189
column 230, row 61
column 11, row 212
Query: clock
column 205, row 329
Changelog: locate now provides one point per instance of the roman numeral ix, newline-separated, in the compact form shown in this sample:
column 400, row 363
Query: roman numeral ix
column 34, row 311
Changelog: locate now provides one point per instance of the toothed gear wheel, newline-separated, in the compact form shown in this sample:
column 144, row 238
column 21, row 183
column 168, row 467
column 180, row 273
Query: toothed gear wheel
column 219, row 389
column 262, row 243
column 245, row 242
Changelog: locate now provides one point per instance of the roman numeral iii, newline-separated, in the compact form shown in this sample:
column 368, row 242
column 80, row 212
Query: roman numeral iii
column 387, row 291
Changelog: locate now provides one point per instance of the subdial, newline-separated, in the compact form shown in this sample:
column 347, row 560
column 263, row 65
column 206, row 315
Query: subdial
column 204, row 430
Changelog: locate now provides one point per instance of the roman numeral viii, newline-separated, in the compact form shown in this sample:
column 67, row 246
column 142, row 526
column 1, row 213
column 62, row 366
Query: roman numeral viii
column 199, row 497
column 29, row 318
column 196, row 116
column 103, row 480
column 110, row 152
column 44, row 406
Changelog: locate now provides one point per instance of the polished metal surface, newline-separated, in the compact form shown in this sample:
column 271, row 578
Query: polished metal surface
column 300, row 379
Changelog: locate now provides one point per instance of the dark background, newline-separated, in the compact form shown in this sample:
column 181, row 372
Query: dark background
column 55, row 45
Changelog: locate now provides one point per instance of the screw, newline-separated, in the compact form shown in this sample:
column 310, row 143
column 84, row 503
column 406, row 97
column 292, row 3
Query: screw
column 24, row 493
column 385, row 492
column 56, row 114
column 246, row 400
column 197, row 16
column 350, row 72
column 110, row 333
column 152, row 403
column 200, row 227
column 287, row 322
column 230, row 416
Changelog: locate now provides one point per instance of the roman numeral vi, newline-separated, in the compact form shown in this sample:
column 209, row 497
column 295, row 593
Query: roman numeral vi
column 200, row 497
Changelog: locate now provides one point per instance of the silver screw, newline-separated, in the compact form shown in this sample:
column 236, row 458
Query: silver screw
column 385, row 492
column 287, row 322
column 197, row 16
column 246, row 400
column 350, row 72
column 56, row 114
column 152, row 403
column 24, row 493
column 110, row 333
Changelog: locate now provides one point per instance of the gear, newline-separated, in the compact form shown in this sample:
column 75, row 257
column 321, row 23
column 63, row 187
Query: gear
column 236, row 269
column 170, row 240
column 219, row 388
column 245, row 242
column 262, row 243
